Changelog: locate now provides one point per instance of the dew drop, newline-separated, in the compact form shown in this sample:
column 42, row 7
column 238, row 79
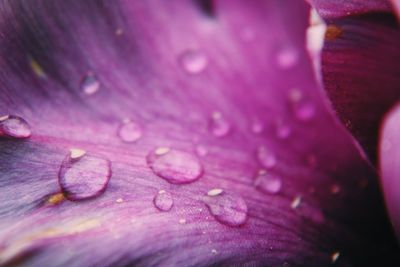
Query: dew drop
column 228, row 209
column 214, row 251
column 214, row 192
column 268, row 183
column 129, row 131
column 90, row 84
column 287, row 57
column 83, row 176
column 257, row 127
column 304, row 111
column 194, row 61
column 201, row 151
column 182, row 221
column 283, row 131
column 175, row 166
column 266, row 158
column 163, row 200
column 14, row 126
column 219, row 126
column 119, row 200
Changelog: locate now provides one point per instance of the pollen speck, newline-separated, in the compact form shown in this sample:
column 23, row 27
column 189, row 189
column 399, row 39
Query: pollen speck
column 333, row 32
column 55, row 199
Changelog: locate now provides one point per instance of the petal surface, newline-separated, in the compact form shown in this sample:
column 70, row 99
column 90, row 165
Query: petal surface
column 222, row 102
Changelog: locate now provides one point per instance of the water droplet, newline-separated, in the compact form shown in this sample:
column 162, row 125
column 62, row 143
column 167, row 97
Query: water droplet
column 214, row 251
column 228, row 209
column 182, row 221
column 214, row 192
column 76, row 153
column 175, row 166
column 268, row 183
column 296, row 202
column 14, row 126
column 129, row 131
column 335, row 189
column 283, row 131
column 266, row 157
column 335, row 256
column 304, row 111
column 119, row 200
column 194, row 61
column 83, row 176
column 287, row 57
column 163, row 200
column 257, row 127
column 219, row 125
column 119, row 31
column 90, row 84
column 201, row 151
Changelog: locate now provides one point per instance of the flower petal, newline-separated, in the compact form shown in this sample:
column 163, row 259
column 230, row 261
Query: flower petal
column 223, row 151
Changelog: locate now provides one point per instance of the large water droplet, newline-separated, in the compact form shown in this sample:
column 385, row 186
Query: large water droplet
column 90, row 84
column 129, row 131
column 194, row 61
column 219, row 126
column 163, row 200
column 228, row 209
column 175, row 166
column 83, row 176
column 266, row 157
column 14, row 126
column 268, row 183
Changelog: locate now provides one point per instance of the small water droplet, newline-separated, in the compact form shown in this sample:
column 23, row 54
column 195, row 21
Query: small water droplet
column 228, row 209
column 287, row 57
column 214, row 192
column 84, row 176
column 268, row 183
column 266, row 158
column 335, row 189
column 76, row 153
column 175, row 166
column 182, row 221
column 194, row 61
column 295, row 202
column 219, row 126
column 14, row 126
column 304, row 111
column 119, row 31
column 257, row 127
column 90, row 84
column 335, row 256
column 283, row 131
column 129, row 131
column 163, row 200
column 201, row 151
column 214, row 251
column 119, row 200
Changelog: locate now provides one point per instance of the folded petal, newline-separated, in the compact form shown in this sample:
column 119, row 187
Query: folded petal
column 167, row 134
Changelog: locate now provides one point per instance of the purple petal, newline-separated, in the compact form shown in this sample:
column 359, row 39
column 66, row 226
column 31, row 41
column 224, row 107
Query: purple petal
column 330, row 9
column 215, row 85
column 360, row 63
column 390, row 165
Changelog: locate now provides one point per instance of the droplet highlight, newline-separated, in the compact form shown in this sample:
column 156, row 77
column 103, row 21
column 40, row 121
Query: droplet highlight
column 163, row 201
column 266, row 157
column 219, row 126
column 228, row 209
column 14, row 127
column 175, row 166
column 295, row 202
column 129, row 131
column 84, row 176
column 287, row 57
column 90, row 84
column 194, row 61
column 268, row 183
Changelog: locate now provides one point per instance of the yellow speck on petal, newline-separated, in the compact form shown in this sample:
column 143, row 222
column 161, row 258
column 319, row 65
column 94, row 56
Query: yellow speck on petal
column 335, row 256
column 5, row 117
column 162, row 151
column 37, row 69
column 296, row 202
column 333, row 32
column 55, row 199
column 77, row 153
column 215, row 192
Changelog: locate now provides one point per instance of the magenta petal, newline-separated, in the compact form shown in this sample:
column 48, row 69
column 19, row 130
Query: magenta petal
column 273, row 179
column 396, row 5
column 330, row 9
column 390, row 165
column 360, row 64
